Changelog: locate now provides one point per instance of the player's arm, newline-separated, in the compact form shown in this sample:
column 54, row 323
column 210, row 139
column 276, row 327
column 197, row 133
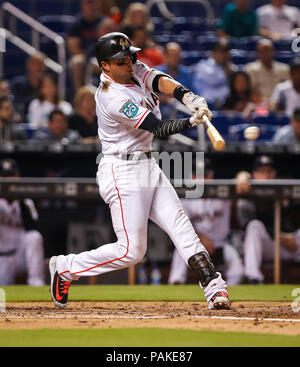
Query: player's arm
column 163, row 128
column 163, row 83
column 29, row 214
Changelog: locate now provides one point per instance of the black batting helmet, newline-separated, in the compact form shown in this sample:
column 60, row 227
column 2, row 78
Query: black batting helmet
column 114, row 46
column 8, row 167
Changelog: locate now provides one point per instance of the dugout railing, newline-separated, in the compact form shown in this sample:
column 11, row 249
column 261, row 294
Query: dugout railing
column 86, row 189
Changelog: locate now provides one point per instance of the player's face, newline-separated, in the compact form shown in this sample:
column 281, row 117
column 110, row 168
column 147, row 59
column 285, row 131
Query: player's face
column 264, row 173
column 119, row 70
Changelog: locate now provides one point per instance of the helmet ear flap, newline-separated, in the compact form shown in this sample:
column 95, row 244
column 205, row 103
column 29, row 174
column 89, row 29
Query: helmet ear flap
column 134, row 58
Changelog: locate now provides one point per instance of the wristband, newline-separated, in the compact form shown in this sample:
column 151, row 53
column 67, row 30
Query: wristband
column 179, row 92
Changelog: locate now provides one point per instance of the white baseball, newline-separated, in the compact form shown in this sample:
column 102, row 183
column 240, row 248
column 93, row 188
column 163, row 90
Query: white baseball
column 251, row 133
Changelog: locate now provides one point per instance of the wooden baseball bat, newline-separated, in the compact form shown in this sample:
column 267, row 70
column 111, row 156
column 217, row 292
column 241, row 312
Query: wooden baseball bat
column 214, row 136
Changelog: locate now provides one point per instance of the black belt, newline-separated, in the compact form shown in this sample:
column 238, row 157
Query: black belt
column 8, row 253
column 136, row 156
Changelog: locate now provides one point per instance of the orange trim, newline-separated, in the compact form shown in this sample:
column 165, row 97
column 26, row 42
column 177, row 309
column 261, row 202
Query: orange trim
column 122, row 214
column 127, row 86
column 148, row 111
column 146, row 75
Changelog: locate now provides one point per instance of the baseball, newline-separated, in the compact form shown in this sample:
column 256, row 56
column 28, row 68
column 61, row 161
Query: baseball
column 251, row 133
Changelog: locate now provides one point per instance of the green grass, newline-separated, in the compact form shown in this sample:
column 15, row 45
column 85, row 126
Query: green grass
column 20, row 293
column 140, row 338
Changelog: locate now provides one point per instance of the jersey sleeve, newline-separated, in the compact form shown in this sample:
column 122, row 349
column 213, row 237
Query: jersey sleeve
column 146, row 74
column 128, row 112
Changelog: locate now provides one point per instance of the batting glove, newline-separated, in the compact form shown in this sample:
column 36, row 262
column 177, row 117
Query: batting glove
column 197, row 118
column 195, row 103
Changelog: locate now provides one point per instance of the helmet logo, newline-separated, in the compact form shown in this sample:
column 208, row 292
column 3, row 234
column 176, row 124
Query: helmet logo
column 124, row 43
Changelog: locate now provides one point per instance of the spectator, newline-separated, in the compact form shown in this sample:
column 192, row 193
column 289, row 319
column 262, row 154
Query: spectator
column 289, row 134
column 106, row 25
column 47, row 100
column 21, row 243
column 286, row 95
column 81, row 36
column 84, row 118
column 57, row 130
column 257, row 218
column 277, row 20
column 24, row 87
column 136, row 15
column 9, row 129
column 109, row 9
column 240, row 92
column 150, row 53
column 174, row 68
column 211, row 75
column 238, row 20
column 211, row 219
column 266, row 73
column 4, row 88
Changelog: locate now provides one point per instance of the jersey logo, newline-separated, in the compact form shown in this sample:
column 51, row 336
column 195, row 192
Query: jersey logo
column 129, row 109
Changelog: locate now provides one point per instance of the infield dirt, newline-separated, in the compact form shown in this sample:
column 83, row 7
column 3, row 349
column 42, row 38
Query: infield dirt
column 258, row 317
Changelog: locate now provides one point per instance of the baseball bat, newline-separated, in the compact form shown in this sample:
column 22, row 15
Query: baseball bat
column 214, row 136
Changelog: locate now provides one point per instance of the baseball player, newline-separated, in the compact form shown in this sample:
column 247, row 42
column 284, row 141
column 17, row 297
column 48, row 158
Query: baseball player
column 211, row 220
column 21, row 244
column 257, row 219
column 129, row 180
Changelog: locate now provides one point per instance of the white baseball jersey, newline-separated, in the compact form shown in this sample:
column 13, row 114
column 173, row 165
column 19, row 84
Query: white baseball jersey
column 11, row 227
column 11, row 223
column 20, row 250
column 121, row 109
column 210, row 217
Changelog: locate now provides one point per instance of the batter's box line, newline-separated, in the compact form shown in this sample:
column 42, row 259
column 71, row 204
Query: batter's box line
column 141, row 317
column 236, row 318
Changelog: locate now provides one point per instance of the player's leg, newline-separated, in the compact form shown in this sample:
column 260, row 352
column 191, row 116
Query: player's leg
column 258, row 245
column 129, row 206
column 167, row 213
column 233, row 264
column 33, row 258
column 7, row 269
column 178, row 269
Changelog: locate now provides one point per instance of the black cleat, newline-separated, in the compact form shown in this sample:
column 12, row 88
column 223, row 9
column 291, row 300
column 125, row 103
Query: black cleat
column 59, row 287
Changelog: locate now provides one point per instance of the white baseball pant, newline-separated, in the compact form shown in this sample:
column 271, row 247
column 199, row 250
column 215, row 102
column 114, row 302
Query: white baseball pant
column 259, row 247
column 135, row 191
column 29, row 256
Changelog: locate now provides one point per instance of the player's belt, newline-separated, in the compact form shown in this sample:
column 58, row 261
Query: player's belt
column 136, row 156
column 8, row 253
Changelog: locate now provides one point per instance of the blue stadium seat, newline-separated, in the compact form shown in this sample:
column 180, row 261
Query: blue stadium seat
column 57, row 23
column 222, row 121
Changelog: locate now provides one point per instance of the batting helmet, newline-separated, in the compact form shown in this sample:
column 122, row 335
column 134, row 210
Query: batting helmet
column 8, row 167
column 114, row 46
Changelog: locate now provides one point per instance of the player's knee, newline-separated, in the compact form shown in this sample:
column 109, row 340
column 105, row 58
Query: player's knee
column 34, row 240
column 136, row 255
column 255, row 225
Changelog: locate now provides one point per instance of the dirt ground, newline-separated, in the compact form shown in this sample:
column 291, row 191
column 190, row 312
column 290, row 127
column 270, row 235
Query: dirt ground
column 258, row 317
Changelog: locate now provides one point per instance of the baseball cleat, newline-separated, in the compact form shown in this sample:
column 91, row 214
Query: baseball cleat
column 59, row 287
column 219, row 301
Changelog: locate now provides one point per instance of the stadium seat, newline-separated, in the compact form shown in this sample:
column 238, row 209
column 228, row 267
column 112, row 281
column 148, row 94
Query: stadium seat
column 236, row 132
column 57, row 23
